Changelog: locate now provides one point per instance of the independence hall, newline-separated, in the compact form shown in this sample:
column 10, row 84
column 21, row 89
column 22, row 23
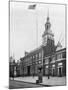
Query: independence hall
column 50, row 58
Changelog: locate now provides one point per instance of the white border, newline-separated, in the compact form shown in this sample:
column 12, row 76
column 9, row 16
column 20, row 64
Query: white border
column 4, row 35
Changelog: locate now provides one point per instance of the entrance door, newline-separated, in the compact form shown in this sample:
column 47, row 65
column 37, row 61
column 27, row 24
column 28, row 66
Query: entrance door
column 28, row 70
column 60, row 71
column 53, row 72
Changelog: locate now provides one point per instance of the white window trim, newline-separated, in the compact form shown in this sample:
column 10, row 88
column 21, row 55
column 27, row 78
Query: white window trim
column 61, row 59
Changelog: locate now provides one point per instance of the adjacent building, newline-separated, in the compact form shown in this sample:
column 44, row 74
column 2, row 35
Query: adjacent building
column 12, row 67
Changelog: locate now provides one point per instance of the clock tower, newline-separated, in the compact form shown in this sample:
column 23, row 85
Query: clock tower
column 48, row 38
column 47, row 33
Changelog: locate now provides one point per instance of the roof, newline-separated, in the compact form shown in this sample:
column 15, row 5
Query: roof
column 38, row 50
column 61, row 50
column 33, row 52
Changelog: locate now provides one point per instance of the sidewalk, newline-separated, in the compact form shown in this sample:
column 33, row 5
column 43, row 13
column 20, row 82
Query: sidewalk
column 53, row 81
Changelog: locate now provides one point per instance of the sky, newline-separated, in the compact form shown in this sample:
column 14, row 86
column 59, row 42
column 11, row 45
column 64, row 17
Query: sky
column 27, row 26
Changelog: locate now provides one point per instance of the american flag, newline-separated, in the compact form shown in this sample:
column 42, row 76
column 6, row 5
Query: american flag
column 32, row 6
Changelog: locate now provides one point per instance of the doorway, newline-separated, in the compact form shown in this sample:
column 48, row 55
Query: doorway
column 28, row 70
column 53, row 72
column 60, row 71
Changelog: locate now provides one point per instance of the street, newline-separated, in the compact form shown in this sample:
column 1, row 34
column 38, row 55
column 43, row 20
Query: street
column 13, row 84
column 30, row 82
column 53, row 81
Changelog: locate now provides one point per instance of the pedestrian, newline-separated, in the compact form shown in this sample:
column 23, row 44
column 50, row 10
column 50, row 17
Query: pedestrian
column 33, row 75
column 40, row 75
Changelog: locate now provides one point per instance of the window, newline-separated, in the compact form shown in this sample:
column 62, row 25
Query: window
column 37, row 56
column 59, row 56
column 59, row 64
column 40, row 62
column 46, row 61
column 53, row 58
column 46, row 66
column 36, row 62
column 40, row 55
column 53, row 65
column 33, row 57
column 64, row 54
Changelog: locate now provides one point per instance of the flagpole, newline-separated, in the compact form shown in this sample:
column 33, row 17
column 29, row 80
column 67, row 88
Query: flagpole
column 36, row 20
column 33, row 7
column 36, row 27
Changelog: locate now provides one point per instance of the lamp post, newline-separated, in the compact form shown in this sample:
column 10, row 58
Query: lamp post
column 33, row 63
column 49, row 68
column 13, row 68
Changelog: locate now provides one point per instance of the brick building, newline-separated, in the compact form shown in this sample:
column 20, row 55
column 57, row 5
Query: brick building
column 49, row 57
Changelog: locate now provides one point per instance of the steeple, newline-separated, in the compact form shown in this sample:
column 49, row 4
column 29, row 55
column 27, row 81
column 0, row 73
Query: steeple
column 48, row 24
column 48, row 32
column 48, row 15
